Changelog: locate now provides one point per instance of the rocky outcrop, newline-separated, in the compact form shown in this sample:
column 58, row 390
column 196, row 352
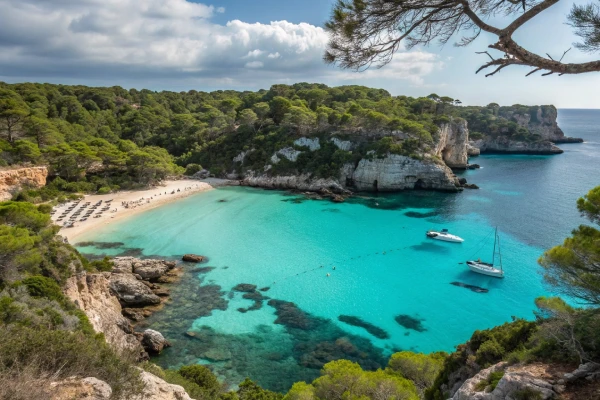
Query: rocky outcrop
column 83, row 389
column 396, row 172
column 453, row 140
column 504, row 145
column 153, row 341
column 539, row 121
column 13, row 180
column 342, row 144
column 288, row 152
column 312, row 144
column 132, row 292
column 517, row 379
column 157, row 389
column 299, row 182
column 91, row 294
column 472, row 151
column 192, row 258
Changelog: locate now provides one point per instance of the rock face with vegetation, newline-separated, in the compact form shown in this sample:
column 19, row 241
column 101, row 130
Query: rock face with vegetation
column 514, row 130
column 13, row 180
column 91, row 293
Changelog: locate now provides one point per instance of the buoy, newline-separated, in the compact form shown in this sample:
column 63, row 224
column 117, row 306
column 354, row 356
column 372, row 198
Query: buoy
column 328, row 274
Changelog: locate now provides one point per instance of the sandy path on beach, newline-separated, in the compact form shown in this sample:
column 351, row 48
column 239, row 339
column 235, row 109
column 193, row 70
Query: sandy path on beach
column 139, row 201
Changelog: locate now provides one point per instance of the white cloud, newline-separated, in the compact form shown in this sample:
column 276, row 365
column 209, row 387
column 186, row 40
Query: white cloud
column 169, row 40
column 254, row 64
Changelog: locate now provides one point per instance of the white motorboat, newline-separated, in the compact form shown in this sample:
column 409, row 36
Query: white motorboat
column 489, row 269
column 445, row 236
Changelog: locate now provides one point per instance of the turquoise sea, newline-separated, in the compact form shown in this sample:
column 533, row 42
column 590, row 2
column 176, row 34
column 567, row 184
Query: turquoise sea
column 386, row 272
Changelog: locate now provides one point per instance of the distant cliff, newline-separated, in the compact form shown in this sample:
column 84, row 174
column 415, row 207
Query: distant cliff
column 13, row 180
column 372, row 171
column 514, row 130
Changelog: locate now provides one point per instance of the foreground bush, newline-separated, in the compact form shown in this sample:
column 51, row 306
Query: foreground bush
column 57, row 354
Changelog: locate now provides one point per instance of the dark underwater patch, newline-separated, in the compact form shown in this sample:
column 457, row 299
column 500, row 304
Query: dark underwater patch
column 202, row 270
column 372, row 329
column 244, row 287
column 410, row 322
column 473, row 288
column 332, row 210
column 416, row 214
column 295, row 200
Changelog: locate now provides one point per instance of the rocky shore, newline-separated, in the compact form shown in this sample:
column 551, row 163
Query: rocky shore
column 129, row 293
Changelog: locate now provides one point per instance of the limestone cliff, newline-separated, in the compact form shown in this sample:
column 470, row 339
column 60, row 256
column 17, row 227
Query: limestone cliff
column 91, row 293
column 396, row 172
column 13, row 180
column 504, row 145
column 452, row 144
column 540, row 120
column 389, row 172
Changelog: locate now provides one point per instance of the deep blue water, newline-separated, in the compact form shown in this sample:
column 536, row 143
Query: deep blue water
column 386, row 272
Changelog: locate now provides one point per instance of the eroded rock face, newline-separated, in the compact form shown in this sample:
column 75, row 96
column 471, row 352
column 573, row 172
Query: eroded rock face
column 300, row 182
column 83, row 389
column 288, row 152
column 154, row 342
column 342, row 144
column 396, row 172
column 132, row 292
column 503, row 145
column 516, row 379
column 90, row 292
column 452, row 144
column 13, row 180
column 152, row 269
column 541, row 121
column 313, row 144
column 157, row 389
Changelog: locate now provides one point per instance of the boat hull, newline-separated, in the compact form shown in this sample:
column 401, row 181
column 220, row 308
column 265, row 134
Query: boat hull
column 485, row 269
column 448, row 239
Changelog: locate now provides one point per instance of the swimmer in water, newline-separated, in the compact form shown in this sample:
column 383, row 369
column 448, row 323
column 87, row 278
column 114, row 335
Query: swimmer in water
column 328, row 274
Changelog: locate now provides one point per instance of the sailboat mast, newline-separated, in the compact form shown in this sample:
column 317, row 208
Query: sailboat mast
column 494, row 252
column 499, row 253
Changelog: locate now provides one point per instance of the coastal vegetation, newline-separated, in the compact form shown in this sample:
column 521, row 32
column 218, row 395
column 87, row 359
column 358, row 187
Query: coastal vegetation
column 105, row 139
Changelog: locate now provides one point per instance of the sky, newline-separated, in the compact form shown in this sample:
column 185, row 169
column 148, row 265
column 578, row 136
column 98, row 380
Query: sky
column 181, row 45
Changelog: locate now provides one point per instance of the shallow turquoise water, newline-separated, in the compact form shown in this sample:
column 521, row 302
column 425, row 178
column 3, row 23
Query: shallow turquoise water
column 385, row 266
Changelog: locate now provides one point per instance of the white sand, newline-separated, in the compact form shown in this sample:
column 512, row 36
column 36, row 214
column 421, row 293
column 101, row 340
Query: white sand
column 156, row 196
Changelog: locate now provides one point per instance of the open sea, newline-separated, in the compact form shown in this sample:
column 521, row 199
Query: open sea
column 388, row 278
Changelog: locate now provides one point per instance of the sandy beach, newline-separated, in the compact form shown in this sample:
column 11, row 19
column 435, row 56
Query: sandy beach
column 126, row 203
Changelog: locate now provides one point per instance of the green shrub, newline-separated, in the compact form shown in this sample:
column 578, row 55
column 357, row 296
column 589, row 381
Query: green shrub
column 102, row 265
column 40, row 286
column 204, row 378
column 62, row 354
column 192, row 168
column 104, row 190
column 491, row 381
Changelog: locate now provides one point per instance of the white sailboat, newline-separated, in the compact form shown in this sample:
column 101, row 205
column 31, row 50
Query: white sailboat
column 488, row 268
column 445, row 236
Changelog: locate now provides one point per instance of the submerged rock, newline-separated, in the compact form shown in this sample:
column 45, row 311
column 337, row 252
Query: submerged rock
column 290, row 315
column 193, row 258
column 244, row 287
column 409, row 322
column 372, row 329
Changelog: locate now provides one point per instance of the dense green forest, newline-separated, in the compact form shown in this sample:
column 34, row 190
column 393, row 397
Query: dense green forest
column 104, row 139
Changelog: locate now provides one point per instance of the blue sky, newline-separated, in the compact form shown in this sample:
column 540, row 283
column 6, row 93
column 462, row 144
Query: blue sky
column 251, row 44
